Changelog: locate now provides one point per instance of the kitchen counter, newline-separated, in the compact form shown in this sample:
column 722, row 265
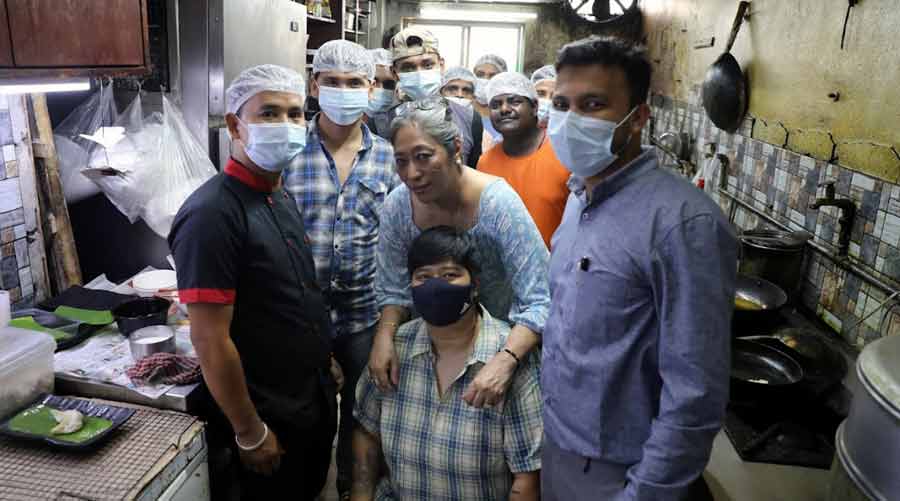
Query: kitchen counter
column 154, row 455
column 732, row 479
column 186, row 398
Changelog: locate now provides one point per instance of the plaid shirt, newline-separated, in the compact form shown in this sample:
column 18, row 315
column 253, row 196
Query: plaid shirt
column 440, row 448
column 342, row 222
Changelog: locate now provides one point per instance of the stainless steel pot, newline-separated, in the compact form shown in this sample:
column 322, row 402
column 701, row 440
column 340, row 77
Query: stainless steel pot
column 868, row 442
column 150, row 340
column 774, row 255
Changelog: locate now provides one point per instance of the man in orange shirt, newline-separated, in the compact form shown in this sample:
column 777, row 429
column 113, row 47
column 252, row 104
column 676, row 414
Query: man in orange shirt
column 525, row 158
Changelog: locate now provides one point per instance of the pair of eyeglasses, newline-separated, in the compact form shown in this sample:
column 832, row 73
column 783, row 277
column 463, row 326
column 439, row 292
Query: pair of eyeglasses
column 427, row 104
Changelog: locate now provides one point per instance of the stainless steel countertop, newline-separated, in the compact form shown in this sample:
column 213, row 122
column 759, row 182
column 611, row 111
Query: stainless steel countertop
column 187, row 398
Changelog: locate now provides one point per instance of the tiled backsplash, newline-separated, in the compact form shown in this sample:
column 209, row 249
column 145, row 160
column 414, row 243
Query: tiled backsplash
column 783, row 184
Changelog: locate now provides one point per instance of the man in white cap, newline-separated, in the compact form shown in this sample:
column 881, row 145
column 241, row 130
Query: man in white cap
column 487, row 67
column 544, row 80
column 384, row 94
column 525, row 158
column 339, row 182
column 259, row 323
column 459, row 86
column 419, row 68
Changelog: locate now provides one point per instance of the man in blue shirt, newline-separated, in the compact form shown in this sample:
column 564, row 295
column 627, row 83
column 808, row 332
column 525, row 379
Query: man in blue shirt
column 339, row 182
column 636, row 348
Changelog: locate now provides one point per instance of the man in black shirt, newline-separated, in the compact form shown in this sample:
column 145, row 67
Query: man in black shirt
column 259, row 322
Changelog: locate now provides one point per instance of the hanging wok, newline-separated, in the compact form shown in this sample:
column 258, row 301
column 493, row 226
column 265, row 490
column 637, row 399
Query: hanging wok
column 724, row 87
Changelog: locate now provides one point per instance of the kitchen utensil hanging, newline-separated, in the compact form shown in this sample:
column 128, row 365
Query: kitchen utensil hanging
column 725, row 87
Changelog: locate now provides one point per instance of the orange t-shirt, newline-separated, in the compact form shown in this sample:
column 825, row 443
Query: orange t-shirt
column 539, row 179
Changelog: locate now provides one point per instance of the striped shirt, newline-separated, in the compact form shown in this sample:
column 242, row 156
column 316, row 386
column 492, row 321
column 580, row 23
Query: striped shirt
column 342, row 222
column 440, row 448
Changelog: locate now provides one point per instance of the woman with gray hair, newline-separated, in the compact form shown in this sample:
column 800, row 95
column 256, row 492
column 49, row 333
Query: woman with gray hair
column 439, row 190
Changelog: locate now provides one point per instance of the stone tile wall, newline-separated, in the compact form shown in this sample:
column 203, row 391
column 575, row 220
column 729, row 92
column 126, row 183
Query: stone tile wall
column 15, row 264
column 784, row 184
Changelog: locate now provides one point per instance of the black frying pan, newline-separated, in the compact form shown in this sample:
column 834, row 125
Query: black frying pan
column 724, row 87
column 761, row 372
column 768, row 297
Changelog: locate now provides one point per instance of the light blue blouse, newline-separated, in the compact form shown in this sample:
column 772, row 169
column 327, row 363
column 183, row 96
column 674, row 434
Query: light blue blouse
column 514, row 262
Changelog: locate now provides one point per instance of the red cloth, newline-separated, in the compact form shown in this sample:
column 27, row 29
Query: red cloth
column 165, row 368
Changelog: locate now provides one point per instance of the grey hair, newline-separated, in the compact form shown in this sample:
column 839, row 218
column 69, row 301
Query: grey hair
column 436, row 123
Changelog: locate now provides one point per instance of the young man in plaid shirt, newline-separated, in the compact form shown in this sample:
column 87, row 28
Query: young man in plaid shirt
column 339, row 182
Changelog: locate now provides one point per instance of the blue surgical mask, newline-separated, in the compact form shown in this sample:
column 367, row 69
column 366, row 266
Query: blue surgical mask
column 583, row 144
column 544, row 109
column 272, row 146
column 489, row 128
column 343, row 106
column 421, row 84
column 481, row 91
column 381, row 101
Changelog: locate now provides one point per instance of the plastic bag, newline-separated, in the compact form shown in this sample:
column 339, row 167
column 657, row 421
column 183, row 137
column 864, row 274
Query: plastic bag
column 183, row 167
column 154, row 168
column 119, row 168
column 95, row 114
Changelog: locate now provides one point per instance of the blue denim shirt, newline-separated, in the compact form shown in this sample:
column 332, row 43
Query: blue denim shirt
column 636, row 352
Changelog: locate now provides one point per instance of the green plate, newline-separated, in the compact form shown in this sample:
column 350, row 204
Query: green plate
column 38, row 420
column 35, row 421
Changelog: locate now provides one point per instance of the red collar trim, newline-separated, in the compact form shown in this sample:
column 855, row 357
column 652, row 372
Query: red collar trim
column 240, row 172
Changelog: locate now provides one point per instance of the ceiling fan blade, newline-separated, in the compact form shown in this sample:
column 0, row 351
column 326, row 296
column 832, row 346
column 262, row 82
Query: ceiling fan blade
column 582, row 4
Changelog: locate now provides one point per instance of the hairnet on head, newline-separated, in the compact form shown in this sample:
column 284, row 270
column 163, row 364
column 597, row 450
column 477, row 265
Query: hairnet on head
column 458, row 73
column 511, row 83
column 543, row 73
column 262, row 78
column 493, row 59
column 343, row 56
column 381, row 57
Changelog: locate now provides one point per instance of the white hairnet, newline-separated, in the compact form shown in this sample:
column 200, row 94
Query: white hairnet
column 262, row 78
column 458, row 73
column 543, row 73
column 511, row 83
column 381, row 57
column 344, row 56
column 493, row 59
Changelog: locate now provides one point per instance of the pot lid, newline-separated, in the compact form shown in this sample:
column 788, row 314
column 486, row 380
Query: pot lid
column 878, row 367
column 776, row 239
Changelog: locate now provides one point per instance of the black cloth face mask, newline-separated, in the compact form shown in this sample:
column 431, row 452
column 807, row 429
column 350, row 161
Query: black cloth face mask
column 441, row 303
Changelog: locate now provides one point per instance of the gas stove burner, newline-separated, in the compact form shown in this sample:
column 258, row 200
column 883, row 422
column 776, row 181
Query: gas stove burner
column 798, row 441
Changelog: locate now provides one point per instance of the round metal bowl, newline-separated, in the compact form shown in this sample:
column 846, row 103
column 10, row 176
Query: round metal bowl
column 141, row 312
column 151, row 340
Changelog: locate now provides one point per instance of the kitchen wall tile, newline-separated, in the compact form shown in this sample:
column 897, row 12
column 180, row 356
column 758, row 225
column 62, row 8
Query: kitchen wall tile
column 9, row 273
column 10, row 196
column 12, row 218
column 862, row 181
column 785, row 183
column 21, row 246
column 869, row 249
column 5, row 128
column 9, row 153
column 25, row 278
column 11, row 167
column 891, row 231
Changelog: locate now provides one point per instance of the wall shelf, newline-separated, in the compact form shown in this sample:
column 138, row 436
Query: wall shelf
column 321, row 19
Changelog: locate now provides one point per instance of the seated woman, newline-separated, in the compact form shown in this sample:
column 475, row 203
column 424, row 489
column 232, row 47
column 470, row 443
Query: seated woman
column 434, row 445
column 439, row 190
